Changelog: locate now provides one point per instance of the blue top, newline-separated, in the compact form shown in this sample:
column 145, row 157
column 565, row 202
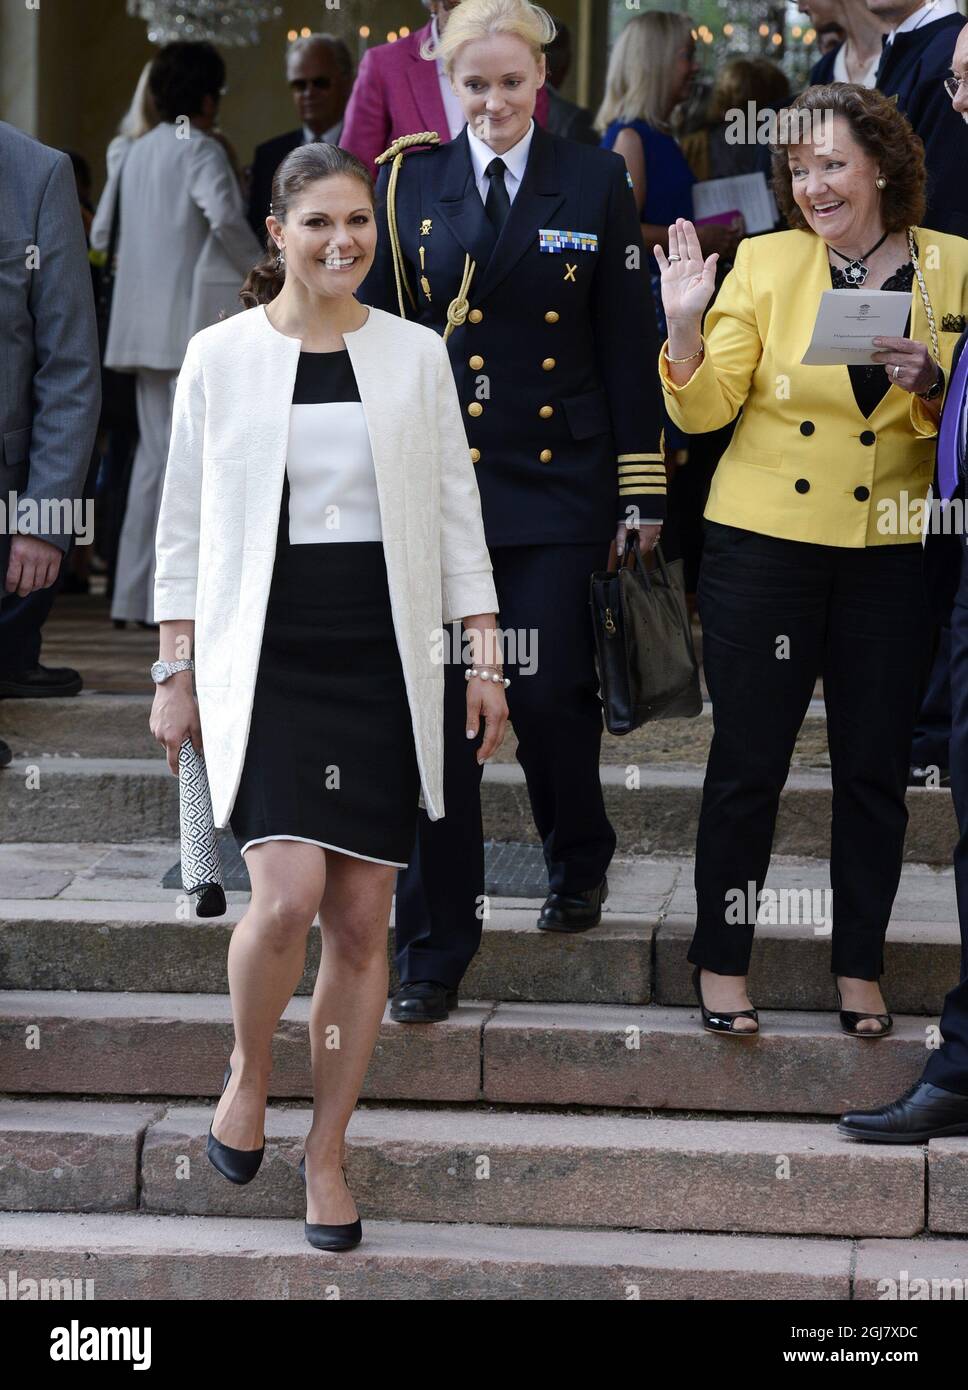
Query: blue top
column 668, row 178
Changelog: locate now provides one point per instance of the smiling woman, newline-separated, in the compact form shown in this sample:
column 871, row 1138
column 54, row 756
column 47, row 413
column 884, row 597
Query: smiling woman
column 320, row 523
column 796, row 543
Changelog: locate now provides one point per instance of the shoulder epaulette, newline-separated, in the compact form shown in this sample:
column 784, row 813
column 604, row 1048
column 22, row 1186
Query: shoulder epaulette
column 408, row 142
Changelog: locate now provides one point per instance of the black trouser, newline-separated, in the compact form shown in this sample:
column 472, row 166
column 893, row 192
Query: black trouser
column 557, row 718
column 948, row 1067
column 932, row 733
column 776, row 614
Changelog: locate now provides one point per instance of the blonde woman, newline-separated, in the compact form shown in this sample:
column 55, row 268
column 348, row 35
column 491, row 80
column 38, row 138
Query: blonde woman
column 319, row 523
column 563, row 420
column 651, row 71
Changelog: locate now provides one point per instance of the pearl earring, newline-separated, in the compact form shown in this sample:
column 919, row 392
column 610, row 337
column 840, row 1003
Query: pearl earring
column 881, row 181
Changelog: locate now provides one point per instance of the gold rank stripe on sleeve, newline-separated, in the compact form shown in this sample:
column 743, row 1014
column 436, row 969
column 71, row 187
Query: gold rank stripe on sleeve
column 641, row 473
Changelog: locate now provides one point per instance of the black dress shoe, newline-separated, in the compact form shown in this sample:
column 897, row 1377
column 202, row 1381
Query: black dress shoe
column 5, row 754
column 573, row 912
column 331, row 1237
column 238, row 1165
column 40, row 681
column 423, row 1001
column 924, row 1112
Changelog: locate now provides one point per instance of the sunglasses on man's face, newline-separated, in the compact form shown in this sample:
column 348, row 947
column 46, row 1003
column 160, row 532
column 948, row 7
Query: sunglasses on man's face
column 301, row 84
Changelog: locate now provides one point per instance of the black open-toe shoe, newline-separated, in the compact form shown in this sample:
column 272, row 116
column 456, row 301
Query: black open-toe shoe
column 720, row 1022
column 849, row 1020
column 238, row 1165
column 331, row 1237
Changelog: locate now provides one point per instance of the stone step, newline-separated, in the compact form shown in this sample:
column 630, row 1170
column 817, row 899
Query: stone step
column 493, row 1167
column 126, row 945
column 96, row 725
column 136, row 1256
column 128, row 799
column 629, row 1057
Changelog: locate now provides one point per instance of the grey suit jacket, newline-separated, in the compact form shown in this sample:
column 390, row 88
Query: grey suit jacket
column 50, row 392
column 184, row 246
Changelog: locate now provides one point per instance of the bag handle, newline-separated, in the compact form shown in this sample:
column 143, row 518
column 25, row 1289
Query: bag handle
column 632, row 559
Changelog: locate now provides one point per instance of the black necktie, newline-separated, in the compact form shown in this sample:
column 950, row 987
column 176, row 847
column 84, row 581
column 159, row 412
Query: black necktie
column 497, row 205
column 885, row 50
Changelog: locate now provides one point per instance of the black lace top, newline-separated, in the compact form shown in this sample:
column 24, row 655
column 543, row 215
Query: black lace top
column 871, row 384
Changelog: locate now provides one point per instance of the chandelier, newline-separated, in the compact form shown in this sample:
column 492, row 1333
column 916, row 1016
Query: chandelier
column 230, row 22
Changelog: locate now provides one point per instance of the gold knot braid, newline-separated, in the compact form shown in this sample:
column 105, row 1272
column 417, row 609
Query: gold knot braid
column 457, row 310
column 396, row 153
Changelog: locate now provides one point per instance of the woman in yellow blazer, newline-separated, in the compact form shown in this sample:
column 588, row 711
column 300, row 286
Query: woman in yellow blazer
column 812, row 558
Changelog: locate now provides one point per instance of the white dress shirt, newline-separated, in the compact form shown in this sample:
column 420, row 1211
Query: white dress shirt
column 452, row 107
column 331, row 136
column 926, row 14
column 515, row 160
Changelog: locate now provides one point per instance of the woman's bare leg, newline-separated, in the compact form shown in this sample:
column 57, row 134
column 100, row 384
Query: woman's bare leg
column 267, row 956
column 348, row 1006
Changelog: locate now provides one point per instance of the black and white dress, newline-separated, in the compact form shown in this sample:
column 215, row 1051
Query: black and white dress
column 330, row 755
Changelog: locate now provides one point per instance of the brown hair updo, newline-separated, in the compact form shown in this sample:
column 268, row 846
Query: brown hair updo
column 887, row 136
column 302, row 166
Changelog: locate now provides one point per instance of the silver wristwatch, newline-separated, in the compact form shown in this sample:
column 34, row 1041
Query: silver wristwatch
column 161, row 670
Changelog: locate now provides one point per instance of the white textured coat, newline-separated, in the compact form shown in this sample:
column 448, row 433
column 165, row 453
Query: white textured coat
column 216, row 536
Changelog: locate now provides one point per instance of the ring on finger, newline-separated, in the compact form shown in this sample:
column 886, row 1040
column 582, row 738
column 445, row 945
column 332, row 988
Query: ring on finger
column 896, row 373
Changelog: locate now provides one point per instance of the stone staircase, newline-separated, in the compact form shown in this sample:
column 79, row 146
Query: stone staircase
column 570, row 1132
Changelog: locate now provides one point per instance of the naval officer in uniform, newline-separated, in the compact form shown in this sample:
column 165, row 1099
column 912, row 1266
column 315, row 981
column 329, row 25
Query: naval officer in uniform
column 524, row 251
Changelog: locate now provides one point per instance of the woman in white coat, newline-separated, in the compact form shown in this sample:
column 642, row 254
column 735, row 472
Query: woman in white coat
column 320, row 524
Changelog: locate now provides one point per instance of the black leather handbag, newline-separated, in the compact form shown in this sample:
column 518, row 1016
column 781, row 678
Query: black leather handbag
column 647, row 664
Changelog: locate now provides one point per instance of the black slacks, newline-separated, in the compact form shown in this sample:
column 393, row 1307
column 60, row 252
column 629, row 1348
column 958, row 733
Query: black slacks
column 776, row 614
column 543, row 593
column 948, row 1067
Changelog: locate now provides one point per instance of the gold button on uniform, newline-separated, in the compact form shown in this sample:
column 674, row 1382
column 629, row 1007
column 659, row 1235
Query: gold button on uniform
column 475, row 456
column 475, row 316
column 552, row 316
column 475, row 408
column 549, row 364
column 546, row 456
column 476, row 362
column 546, row 412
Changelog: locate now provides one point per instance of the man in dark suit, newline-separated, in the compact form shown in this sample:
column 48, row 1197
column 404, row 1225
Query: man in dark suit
column 50, row 396
column 918, row 56
column 937, row 1104
column 319, row 70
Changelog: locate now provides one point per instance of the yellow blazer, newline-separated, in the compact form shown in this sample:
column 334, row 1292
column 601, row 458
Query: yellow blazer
column 804, row 463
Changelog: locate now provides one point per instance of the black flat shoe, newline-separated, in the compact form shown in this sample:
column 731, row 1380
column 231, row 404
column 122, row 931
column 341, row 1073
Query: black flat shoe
column 849, row 1020
column 573, row 912
column 924, row 1112
column 422, row 1001
column 238, row 1165
column 331, row 1237
column 6, row 755
column 40, row 681
column 720, row 1022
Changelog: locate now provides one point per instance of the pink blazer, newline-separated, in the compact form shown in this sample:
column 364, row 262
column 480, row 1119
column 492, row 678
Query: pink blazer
column 398, row 93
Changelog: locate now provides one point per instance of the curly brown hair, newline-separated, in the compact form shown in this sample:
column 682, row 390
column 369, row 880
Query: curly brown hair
column 887, row 136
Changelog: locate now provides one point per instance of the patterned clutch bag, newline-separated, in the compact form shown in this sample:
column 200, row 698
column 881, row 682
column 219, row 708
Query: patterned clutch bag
column 201, row 868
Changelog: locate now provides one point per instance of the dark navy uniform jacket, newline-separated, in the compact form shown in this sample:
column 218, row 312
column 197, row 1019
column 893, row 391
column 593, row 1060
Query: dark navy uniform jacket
column 556, row 363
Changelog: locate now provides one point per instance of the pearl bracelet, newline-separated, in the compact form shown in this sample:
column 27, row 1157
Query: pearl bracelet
column 496, row 675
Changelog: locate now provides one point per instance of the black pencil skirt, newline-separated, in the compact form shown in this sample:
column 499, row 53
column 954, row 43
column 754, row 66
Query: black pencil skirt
column 330, row 755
